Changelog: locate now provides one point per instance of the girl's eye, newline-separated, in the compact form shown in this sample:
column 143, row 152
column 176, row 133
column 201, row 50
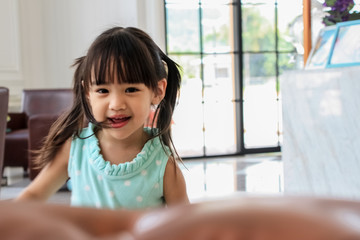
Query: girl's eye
column 131, row 90
column 102, row 91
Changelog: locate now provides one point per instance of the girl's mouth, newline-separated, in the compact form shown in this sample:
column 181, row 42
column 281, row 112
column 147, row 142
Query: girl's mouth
column 118, row 122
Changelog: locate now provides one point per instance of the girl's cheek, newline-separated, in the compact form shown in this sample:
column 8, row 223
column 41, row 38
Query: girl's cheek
column 99, row 112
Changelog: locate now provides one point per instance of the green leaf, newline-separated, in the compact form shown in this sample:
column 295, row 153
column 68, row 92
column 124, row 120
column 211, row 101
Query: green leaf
column 330, row 3
column 327, row 22
column 354, row 16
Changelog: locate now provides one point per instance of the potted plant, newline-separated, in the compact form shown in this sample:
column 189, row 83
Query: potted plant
column 339, row 11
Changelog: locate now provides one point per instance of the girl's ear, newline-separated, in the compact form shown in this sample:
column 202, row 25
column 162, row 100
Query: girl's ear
column 160, row 93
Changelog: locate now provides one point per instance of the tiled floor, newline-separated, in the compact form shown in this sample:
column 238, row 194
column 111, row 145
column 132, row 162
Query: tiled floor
column 221, row 177
column 205, row 178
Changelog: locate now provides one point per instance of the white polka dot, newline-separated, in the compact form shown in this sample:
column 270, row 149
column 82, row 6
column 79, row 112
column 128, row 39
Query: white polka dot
column 84, row 147
column 139, row 199
column 111, row 194
column 158, row 162
column 78, row 172
column 127, row 183
column 100, row 178
column 156, row 186
column 98, row 205
column 91, row 161
column 87, row 188
column 143, row 172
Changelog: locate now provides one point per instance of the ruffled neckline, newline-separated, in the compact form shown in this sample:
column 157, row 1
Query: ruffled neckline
column 141, row 161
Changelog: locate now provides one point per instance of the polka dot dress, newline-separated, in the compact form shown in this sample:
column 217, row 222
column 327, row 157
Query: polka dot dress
column 97, row 183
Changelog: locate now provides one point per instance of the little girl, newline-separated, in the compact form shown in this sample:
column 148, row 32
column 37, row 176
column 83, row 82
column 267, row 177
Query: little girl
column 102, row 143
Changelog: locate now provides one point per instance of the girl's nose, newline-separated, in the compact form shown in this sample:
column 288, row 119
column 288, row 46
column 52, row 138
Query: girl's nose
column 117, row 103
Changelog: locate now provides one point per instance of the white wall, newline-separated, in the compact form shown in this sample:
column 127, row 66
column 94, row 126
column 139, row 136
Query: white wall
column 41, row 38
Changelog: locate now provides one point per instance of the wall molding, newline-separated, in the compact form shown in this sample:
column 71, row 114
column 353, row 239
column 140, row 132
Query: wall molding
column 10, row 57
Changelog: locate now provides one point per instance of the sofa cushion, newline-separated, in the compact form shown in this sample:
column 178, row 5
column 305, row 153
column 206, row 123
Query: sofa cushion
column 16, row 146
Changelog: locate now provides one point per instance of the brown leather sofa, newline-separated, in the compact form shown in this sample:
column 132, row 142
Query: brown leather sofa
column 4, row 99
column 235, row 218
column 39, row 126
column 46, row 104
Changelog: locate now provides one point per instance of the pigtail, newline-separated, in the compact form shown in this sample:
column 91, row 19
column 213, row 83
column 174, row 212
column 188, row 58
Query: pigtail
column 174, row 81
column 166, row 107
column 68, row 124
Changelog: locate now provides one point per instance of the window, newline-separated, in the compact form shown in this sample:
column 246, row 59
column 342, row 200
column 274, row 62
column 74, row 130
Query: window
column 232, row 53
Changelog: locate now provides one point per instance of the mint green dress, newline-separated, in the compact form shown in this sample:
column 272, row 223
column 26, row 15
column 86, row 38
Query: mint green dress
column 132, row 185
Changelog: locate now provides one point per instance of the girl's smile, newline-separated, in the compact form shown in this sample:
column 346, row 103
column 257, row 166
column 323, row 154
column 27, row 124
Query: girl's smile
column 118, row 121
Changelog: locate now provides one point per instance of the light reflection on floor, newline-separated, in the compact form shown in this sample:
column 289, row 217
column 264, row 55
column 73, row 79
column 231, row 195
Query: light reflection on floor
column 205, row 178
column 260, row 174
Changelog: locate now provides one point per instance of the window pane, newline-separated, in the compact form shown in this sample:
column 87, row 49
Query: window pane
column 219, row 112
column 182, row 1
column 258, row 65
column 188, row 121
column 218, row 1
column 289, row 61
column 290, row 24
column 280, row 131
column 258, row 27
column 216, row 27
column 183, row 28
column 261, row 106
column 261, row 116
column 258, row 1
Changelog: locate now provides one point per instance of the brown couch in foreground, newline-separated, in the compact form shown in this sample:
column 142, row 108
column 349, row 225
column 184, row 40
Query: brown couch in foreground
column 35, row 103
column 236, row 218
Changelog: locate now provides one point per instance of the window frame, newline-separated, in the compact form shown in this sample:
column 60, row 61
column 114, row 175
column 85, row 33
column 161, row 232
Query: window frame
column 241, row 149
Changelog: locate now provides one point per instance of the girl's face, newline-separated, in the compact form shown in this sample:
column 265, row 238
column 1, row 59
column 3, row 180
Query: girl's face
column 123, row 108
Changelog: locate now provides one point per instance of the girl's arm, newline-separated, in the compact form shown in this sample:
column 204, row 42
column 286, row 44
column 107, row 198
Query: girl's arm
column 51, row 177
column 174, row 185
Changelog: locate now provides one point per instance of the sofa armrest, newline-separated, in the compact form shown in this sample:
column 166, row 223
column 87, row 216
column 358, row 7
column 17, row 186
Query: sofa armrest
column 17, row 121
column 39, row 127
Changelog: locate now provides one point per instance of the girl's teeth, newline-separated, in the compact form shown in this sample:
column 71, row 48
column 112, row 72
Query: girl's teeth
column 119, row 119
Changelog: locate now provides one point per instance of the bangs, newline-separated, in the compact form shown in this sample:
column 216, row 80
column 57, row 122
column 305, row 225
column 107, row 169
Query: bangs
column 120, row 58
